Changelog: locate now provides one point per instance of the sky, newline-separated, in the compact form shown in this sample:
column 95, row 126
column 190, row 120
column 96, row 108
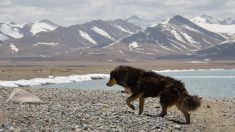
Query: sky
column 70, row 12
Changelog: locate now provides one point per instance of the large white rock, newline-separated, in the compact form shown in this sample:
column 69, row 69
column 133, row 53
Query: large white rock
column 23, row 96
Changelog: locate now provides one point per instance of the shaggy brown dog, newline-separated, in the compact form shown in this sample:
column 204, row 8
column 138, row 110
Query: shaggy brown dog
column 142, row 84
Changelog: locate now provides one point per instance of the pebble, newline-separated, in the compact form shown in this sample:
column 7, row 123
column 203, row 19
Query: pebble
column 177, row 127
column 80, row 110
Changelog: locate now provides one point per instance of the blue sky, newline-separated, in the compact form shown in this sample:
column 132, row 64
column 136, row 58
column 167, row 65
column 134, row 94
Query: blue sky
column 68, row 12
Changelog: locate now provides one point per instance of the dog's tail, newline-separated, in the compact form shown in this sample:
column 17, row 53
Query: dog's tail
column 190, row 102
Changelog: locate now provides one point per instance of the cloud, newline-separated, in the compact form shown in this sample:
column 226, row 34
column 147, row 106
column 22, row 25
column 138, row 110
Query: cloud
column 67, row 12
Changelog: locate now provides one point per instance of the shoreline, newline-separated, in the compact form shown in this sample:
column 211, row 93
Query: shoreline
column 50, row 80
column 95, row 110
column 29, row 70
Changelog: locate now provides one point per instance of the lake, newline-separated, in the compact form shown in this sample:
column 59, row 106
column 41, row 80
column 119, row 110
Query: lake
column 206, row 83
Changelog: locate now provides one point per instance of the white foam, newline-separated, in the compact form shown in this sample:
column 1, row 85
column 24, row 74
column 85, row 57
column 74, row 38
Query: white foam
column 52, row 80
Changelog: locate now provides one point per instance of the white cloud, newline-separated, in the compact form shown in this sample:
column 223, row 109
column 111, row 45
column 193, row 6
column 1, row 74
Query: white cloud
column 67, row 12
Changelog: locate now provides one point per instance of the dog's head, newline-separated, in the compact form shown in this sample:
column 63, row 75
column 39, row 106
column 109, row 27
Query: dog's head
column 117, row 76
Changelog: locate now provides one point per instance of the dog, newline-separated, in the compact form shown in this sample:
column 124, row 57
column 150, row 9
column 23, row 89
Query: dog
column 141, row 84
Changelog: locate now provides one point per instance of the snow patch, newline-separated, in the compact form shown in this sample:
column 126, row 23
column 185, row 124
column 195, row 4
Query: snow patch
column 123, row 29
column 102, row 32
column 177, row 36
column 188, row 38
column 189, row 28
column 218, row 28
column 11, row 29
column 41, row 27
column 134, row 45
column 48, row 44
column 14, row 49
column 87, row 37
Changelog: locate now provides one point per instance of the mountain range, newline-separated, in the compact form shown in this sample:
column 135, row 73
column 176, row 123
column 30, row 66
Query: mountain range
column 128, row 39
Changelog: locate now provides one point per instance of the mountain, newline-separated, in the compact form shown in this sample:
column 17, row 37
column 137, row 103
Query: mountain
column 45, row 25
column 176, row 35
column 212, row 24
column 10, row 29
column 228, row 21
column 116, row 40
column 206, row 19
column 67, row 40
column 140, row 22
column 221, row 51
column 233, row 37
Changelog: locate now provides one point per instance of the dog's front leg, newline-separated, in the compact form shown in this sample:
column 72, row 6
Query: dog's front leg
column 132, row 98
column 141, row 105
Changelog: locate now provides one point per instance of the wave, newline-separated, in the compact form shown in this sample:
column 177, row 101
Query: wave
column 52, row 80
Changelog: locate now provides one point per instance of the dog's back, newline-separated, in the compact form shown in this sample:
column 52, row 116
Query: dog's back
column 152, row 84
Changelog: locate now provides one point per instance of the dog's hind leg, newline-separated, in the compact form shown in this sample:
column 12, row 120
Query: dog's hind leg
column 166, row 101
column 141, row 105
column 185, row 112
column 132, row 98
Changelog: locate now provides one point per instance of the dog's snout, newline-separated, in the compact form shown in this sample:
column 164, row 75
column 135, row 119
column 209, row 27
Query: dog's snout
column 111, row 82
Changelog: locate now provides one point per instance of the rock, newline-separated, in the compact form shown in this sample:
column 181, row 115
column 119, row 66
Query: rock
column 208, row 106
column 23, row 96
column 177, row 127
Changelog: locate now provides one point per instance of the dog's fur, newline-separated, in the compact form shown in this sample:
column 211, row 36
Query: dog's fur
column 141, row 84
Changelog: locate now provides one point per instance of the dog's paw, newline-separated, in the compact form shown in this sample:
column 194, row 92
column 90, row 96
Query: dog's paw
column 132, row 107
column 162, row 114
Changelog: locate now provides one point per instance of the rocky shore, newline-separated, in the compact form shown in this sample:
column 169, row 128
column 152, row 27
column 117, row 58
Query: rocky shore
column 90, row 110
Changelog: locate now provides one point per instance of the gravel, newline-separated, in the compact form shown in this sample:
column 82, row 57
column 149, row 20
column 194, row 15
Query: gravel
column 88, row 110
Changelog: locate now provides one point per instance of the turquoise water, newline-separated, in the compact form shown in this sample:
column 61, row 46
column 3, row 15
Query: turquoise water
column 206, row 83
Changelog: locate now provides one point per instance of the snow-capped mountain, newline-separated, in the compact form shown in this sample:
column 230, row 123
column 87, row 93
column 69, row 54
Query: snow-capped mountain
column 176, row 35
column 10, row 29
column 228, row 21
column 206, row 19
column 69, row 40
column 45, row 25
column 212, row 24
column 116, row 40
